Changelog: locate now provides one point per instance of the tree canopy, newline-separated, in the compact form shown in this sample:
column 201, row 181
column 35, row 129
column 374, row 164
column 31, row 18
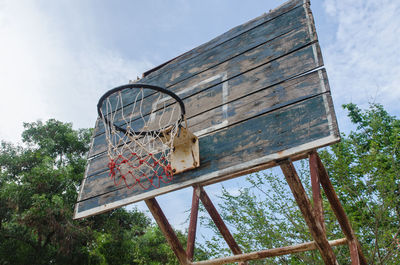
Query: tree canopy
column 38, row 189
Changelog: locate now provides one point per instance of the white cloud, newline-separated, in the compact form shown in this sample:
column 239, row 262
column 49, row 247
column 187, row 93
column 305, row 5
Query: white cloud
column 49, row 71
column 364, row 60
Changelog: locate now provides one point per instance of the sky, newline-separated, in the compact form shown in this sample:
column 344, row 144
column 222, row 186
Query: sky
column 58, row 57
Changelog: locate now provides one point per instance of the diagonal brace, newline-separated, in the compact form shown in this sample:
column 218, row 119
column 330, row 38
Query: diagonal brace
column 304, row 204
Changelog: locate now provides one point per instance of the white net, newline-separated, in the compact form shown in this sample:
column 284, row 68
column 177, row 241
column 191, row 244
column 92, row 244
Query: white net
column 140, row 125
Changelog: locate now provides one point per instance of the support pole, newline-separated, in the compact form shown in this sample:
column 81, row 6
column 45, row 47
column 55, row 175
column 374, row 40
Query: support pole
column 223, row 229
column 316, row 190
column 167, row 230
column 305, row 206
column 356, row 254
column 193, row 223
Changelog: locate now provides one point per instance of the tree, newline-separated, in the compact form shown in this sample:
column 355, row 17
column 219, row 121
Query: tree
column 38, row 186
column 364, row 169
column 38, row 189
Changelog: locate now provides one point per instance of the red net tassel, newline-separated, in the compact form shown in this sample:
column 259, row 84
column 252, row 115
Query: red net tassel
column 161, row 171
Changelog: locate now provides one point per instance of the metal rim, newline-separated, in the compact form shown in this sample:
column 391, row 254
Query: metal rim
column 133, row 86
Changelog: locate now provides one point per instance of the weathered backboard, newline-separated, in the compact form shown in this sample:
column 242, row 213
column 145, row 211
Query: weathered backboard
column 253, row 95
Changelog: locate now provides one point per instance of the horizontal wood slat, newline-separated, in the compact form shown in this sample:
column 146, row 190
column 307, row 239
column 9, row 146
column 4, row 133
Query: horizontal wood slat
column 289, row 22
column 229, row 35
column 251, row 59
column 275, row 72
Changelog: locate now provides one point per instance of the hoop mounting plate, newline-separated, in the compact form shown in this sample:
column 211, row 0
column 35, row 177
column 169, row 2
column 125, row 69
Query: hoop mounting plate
column 185, row 154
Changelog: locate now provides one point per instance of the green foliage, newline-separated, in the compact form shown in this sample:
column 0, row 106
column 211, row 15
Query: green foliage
column 38, row 189
column 364, row 169
column 38, row 186
column 156, row 249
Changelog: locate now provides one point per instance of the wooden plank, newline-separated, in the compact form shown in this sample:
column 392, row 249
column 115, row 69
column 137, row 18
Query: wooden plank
column 338, row 210
column 265, row 76
column 246, row 61
column 355, row 259
column 226, row 51
column 226, row 38
column 262, row 254
column 167, row 230
column 305, row 207
column 219, row 223
column 282, row 133
column 290, row 22
column 194, row 210
column 224, row 72
column 316, row 190
column 233, row 33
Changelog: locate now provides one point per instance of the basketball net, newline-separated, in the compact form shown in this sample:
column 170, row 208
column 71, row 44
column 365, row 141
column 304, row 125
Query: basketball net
column 140, row 160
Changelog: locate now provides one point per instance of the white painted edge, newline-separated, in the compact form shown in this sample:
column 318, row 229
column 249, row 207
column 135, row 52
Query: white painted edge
column 205, row 81
column 310, row 33
column 329, row 112
column 309, row 25
column 211, row 129
column 225, row 92
column 221, row 173
column 166, row 98
column 224, row 101
column 225, row 95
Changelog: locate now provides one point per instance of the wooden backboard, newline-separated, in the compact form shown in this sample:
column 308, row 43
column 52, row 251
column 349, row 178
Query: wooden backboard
column 253, row 95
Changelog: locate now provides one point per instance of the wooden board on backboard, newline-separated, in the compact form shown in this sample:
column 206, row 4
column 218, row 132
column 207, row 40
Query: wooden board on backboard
column 253, row 95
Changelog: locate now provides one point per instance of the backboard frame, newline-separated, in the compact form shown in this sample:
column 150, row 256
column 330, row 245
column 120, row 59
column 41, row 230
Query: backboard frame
column 274, row 103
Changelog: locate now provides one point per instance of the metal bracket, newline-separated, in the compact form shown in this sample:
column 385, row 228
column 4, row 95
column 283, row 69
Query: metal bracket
column 185, row 153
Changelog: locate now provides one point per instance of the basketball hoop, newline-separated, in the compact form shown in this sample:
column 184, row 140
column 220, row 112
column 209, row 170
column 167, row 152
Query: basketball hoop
column 146, row 145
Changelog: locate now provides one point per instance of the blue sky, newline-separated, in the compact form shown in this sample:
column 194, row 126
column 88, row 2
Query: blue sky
column 58, row 57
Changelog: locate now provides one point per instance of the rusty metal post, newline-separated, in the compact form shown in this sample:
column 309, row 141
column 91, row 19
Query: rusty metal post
column 167, row 230
column 354, row 256
column 223, row 229
column 355, row 248
column 193, row 223
column 316, row 190
column 305, row 206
